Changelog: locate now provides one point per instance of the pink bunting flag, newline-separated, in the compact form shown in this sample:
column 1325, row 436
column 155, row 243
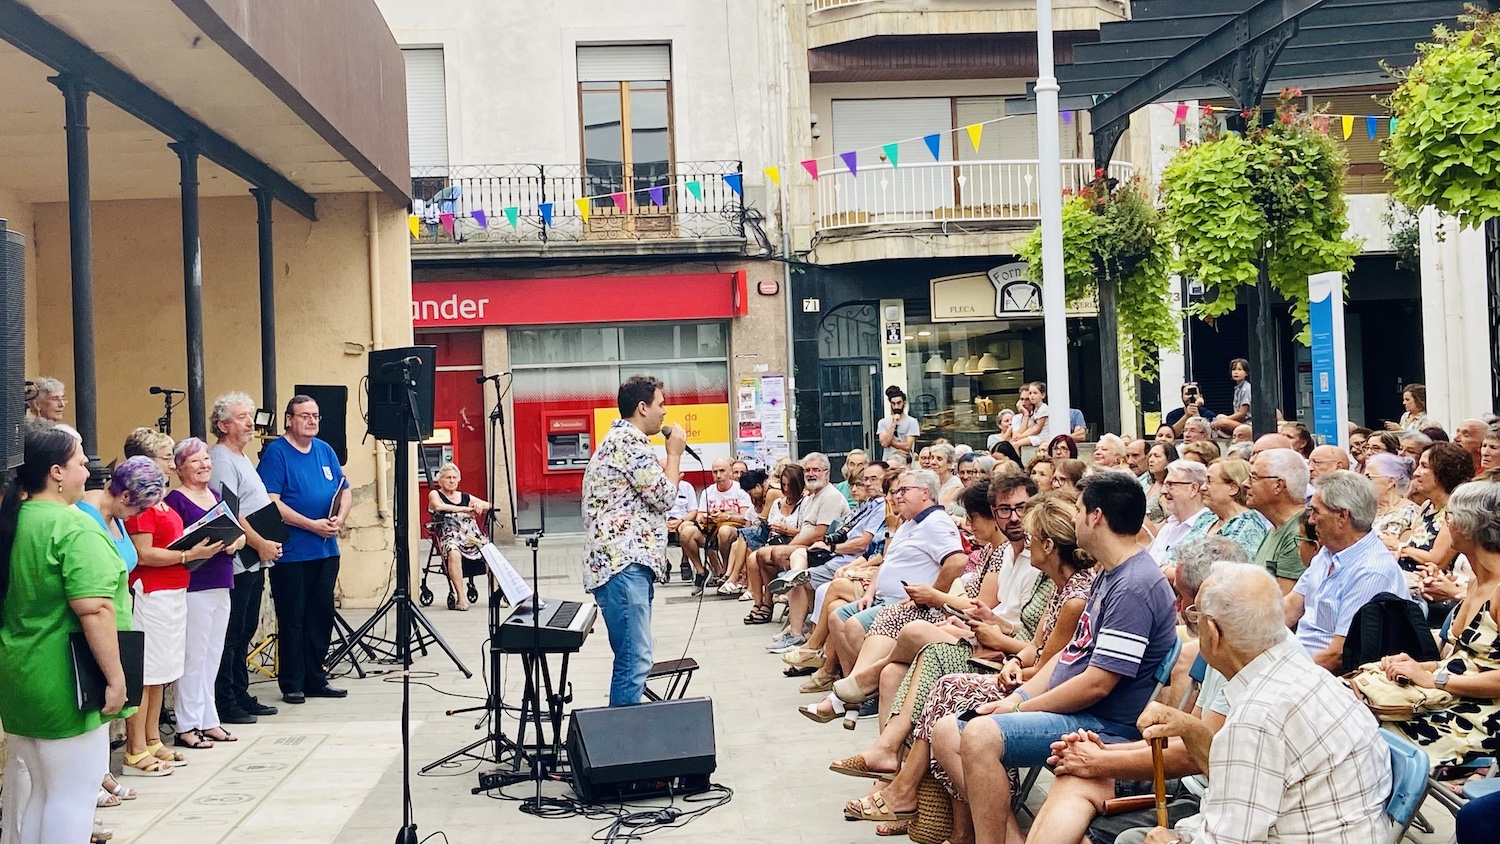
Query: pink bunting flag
column 447, row 221
column 1181, row 115
column 622, row 201
column 851, row 160
column 811, row 166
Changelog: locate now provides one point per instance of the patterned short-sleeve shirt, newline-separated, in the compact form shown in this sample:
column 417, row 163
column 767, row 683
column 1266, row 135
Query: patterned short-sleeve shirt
column 626, row 495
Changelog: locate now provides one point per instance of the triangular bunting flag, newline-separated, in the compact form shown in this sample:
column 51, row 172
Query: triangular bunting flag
column 545, row 209
column 695, row 188
column 811, row 166
column 583, row 208
column 1180, row 115
column 736, row 183
column 851, row 161
column 1348, row 126
column 891, row 151
column 934, row 145
column 512, row 216
column 481, row 218
column 774, row 174
column 975, row 131
column 1372, row 127
column 414, row 223
column 447, row 221
column 1393, row 125
column 622, row 201
column 1067, row 117
column 658, row 195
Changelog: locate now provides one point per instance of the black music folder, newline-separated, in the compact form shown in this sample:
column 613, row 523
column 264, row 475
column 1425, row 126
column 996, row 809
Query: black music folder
column 217, row 525
column 89, row 677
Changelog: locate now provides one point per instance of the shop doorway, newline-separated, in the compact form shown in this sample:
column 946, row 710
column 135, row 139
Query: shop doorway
column 850, row 401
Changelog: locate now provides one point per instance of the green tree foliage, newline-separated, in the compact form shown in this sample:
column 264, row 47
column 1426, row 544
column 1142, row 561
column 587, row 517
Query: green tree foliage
column 1111, row 236
column 1444, row 149
column 1277, row 188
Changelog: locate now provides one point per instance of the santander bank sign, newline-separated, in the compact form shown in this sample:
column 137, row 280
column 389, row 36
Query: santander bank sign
column 588, row 299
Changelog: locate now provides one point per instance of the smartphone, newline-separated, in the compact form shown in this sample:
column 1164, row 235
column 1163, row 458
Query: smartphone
column 956, row 613
column 968, row 715
column 904, row 584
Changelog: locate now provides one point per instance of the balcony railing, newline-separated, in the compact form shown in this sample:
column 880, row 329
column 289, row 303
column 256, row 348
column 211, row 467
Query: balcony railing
column 943, row 192
column 820, row 5
column 468, row 203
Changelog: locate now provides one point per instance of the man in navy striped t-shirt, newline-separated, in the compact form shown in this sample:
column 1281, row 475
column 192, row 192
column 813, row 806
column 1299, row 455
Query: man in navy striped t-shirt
column 1100, row 682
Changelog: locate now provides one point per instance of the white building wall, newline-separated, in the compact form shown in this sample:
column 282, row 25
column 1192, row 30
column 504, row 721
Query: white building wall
column 1455, row 319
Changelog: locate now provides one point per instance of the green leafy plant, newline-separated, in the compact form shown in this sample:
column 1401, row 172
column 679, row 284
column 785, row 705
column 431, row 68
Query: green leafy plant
column 1401, row 220
column 1444, row 148
column 1273, row 194
column 1111, row 236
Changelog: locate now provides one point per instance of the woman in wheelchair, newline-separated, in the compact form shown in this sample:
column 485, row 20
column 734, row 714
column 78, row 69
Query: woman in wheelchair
column 454, row 529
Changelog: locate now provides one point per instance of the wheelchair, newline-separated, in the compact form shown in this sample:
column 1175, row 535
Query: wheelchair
column 435, row 564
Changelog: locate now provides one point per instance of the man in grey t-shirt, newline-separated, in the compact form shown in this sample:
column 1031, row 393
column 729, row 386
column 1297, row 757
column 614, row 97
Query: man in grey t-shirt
column 233, row 422
column 898, row 432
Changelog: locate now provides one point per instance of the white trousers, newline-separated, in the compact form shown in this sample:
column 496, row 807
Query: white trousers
column 207, row 619
column 818, row 595
column 51, row 785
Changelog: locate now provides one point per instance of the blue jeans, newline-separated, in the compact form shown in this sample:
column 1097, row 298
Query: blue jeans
column 1029, row 735
column 625, row 602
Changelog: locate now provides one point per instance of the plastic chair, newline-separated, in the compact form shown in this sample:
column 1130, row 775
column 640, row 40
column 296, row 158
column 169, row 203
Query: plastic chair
column 1409, row 767
column 1163, row 677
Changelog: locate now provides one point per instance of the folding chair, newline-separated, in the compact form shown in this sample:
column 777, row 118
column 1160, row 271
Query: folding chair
column 679, row 673
column 1409, row 767
column 1163, row 677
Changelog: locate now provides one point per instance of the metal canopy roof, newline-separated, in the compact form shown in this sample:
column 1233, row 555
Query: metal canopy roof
column 1191, row 49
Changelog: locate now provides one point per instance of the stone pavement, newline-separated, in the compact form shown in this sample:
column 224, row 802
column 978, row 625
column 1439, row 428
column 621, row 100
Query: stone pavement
column 329, row 771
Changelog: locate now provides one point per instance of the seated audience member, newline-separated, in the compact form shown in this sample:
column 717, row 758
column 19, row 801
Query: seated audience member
column 1226, row 493
column 1087, row 770
column 1240, row 451
column 1188, row 517
column 1109, row 453
column 945, row 464
column 1395, row 516
column 1440, row 470
column 1386, row 441
column 1157, row 460
column 1298, row 758
column 969, row 469
column 1270, row 441
column 1413, row 443
column 1078, row 427
column 1165, row 434
column 50, row 400
column 1470, row 725
column 718, row 514
column 1278, row 491
column 1002, row 422
column 1196, row 431
column 1202, row 451
column 1489, row 450
column 1138, row 458
column 686, row 497
column 1476, row 822
column 824, row 506
column 1470, row 435
column 457, row 532
column 1242, row 434
column 1325, row 459
column 923, row 550
column 782, row 525
column 1352, row 567
column 1006, row 453
column 1063, row 447
column 938, row 683
column 1040, row 470
column 1066, row 474
column 1301, row 437
column 1358, row 438
column 854, row 464
column 751, row 537
column 1100, row 682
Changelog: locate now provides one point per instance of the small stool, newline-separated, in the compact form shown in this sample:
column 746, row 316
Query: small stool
column 680, row 674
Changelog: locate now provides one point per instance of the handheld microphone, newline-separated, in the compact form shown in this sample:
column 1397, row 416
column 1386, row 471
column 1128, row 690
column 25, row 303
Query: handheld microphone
column 666, row 432
column 157, row 391
column 496, row 377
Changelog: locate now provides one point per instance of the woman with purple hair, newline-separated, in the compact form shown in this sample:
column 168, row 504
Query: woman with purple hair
column 135, row 485
column 207, row 602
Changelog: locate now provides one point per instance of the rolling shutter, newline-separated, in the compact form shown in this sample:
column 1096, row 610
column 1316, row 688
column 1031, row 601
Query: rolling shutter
column 867, row 125
column 625, row 63
column 426, row 108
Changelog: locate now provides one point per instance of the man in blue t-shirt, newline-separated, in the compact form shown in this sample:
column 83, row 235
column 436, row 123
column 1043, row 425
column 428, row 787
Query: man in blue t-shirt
column 1100, row 682
column 304, row 479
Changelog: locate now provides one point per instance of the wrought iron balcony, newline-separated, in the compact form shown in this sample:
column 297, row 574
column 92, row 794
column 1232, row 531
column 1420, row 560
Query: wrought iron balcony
column 941, row 192
column 503, row 203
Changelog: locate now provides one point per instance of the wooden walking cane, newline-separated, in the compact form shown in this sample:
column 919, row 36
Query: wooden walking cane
column 1159, row 780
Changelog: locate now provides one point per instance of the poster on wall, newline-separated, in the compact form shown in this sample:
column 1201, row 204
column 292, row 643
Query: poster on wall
column 747, row 398
column 750, row 428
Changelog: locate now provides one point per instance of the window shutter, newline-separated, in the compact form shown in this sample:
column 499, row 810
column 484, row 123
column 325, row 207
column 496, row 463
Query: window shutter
column 867, row 125
column 426, row 108
column 1008, row 140
column 625, row 63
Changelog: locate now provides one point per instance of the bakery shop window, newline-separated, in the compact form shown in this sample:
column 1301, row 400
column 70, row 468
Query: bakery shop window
column 963, row 377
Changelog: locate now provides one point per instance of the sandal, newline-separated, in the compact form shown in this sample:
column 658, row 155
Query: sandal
column 759, row 615
column 199, row 741
column 856, row 766
column 797, row 671
column 156, row 749
column 874, row 808
column 121, row 791
column 849, row 692
column 895, row 828
column 817, row 684
column 813, row 712
column 746, row 596
column 105, row 800
column 100, row 835
column 224, row 735
column 145, row 764
column 729, row 588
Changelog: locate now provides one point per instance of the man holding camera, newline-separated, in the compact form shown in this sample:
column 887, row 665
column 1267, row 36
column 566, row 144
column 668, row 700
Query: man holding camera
column 1192, row 406
column 897, row 432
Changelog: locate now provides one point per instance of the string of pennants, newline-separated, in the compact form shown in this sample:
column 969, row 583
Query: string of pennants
column 850, row 159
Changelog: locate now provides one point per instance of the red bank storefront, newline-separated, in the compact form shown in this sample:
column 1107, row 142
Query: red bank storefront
column 567, row 344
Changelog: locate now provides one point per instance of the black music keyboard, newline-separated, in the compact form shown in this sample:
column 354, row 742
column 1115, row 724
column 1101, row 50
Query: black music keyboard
column 564, row 626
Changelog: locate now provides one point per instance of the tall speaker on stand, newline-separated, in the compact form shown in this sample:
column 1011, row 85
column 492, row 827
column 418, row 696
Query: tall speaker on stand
column 12, row 347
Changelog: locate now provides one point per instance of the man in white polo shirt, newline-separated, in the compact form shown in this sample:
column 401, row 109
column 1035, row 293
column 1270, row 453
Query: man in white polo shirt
column 721, row 505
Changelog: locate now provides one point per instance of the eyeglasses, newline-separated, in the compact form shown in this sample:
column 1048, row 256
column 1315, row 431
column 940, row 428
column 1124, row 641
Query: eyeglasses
column 1179, row 483
column 902, row 490
column 308, row 417
column 1006, row 511
column 1307, row 540
column 1254, row 477
column 1191, row 614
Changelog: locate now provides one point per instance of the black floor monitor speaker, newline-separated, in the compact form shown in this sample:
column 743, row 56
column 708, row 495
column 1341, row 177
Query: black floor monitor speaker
column 12, row 346
column 619, row 753
column 388, row 393
column 333, row 406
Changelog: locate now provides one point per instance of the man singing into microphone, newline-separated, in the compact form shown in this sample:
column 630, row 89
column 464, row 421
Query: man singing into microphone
column 627, row 491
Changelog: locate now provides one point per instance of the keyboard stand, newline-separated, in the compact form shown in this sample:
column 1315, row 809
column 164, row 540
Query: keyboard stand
column 548, row 757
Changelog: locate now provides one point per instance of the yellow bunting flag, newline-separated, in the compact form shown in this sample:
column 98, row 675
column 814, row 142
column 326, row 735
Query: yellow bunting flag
column 583, row 208
column 414, row 223
column 1348, row 126
column 975, row 130
column 774, row 174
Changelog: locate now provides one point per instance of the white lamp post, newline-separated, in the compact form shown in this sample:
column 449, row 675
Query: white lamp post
column 1049, row 186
